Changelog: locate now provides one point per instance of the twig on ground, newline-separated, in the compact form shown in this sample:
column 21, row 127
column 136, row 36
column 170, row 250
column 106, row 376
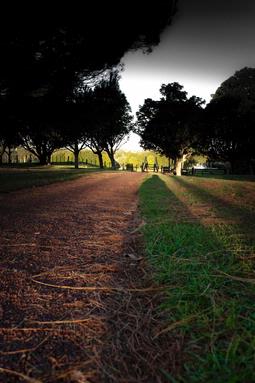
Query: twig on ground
column 100, row 288
column 19, row 375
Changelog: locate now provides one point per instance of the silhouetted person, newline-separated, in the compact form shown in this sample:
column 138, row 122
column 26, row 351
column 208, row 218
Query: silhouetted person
column 145, row 166
column 155, row 166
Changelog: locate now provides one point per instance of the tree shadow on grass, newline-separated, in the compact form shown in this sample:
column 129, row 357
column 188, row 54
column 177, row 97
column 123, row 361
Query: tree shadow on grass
column 243, row 216
column 202, row 298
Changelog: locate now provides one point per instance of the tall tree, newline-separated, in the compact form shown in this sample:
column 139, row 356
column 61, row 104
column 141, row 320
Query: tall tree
column 113, row 117
column 78, row 121
column 170, row 126
column 230, row 122
column 41, row 131
column 9, row 131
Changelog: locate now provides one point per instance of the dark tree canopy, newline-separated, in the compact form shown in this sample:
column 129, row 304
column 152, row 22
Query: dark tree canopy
column 112, row 119
column 77, row 121
column 229, row 133
column 170, row 126
column 241, row 84
column 47, row 50
column 40, row 127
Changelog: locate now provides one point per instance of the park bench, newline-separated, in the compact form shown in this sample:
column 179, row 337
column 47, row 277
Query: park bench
column 166, row 169
column 130, row 167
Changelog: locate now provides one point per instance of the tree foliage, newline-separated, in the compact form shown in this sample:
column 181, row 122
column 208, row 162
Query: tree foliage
column 77, row 121
column 230, row 121
column 48, row 49
column 40, row 127
column 169, row 126
column 47, row 52
column 112, row 119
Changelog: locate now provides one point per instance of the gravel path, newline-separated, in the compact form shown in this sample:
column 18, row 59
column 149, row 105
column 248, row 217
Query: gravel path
column 76, row 300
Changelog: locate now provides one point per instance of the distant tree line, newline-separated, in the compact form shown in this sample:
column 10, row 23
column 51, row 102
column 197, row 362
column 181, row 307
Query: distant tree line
column 98, row 118
column 224, row 131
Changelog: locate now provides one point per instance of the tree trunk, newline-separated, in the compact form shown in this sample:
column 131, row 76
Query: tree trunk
column 2, row 151
column 178, row 164
column 227, row 167
column 100, row 158
column 111, row 157
column 48, row 159
column 235, row 165
column 43, row 159
column 76, row 155
column 9, row 154
column 251, row 170
column 76, row 160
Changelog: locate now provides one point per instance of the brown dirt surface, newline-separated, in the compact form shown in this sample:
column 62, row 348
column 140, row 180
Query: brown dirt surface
column 76, row 300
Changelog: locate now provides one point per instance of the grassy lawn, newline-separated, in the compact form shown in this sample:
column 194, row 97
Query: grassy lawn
column 200, row 240
column 19, row 178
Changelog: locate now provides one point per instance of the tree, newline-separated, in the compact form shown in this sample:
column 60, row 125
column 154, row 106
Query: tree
column 222, row 138
column 112, row 115
column 41, row 131
column 230, row 122
column 170, row 126
column 78, row 121
column 96, row 143
column 9, row 131
column 2, row 149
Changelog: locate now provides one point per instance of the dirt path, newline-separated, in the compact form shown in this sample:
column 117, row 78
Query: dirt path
column 70, row 305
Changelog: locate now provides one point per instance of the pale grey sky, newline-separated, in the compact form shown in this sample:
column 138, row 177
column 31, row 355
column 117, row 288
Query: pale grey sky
column 208, row 41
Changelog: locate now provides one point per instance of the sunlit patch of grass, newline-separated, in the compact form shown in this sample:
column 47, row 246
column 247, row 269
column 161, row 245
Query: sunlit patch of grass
column 210, row 286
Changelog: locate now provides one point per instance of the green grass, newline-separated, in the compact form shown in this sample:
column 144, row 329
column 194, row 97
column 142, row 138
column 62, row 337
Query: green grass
column 208, row 271
column 234, row 177
column 16, row 179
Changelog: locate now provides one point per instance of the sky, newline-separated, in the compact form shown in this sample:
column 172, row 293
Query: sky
column 206, row 43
